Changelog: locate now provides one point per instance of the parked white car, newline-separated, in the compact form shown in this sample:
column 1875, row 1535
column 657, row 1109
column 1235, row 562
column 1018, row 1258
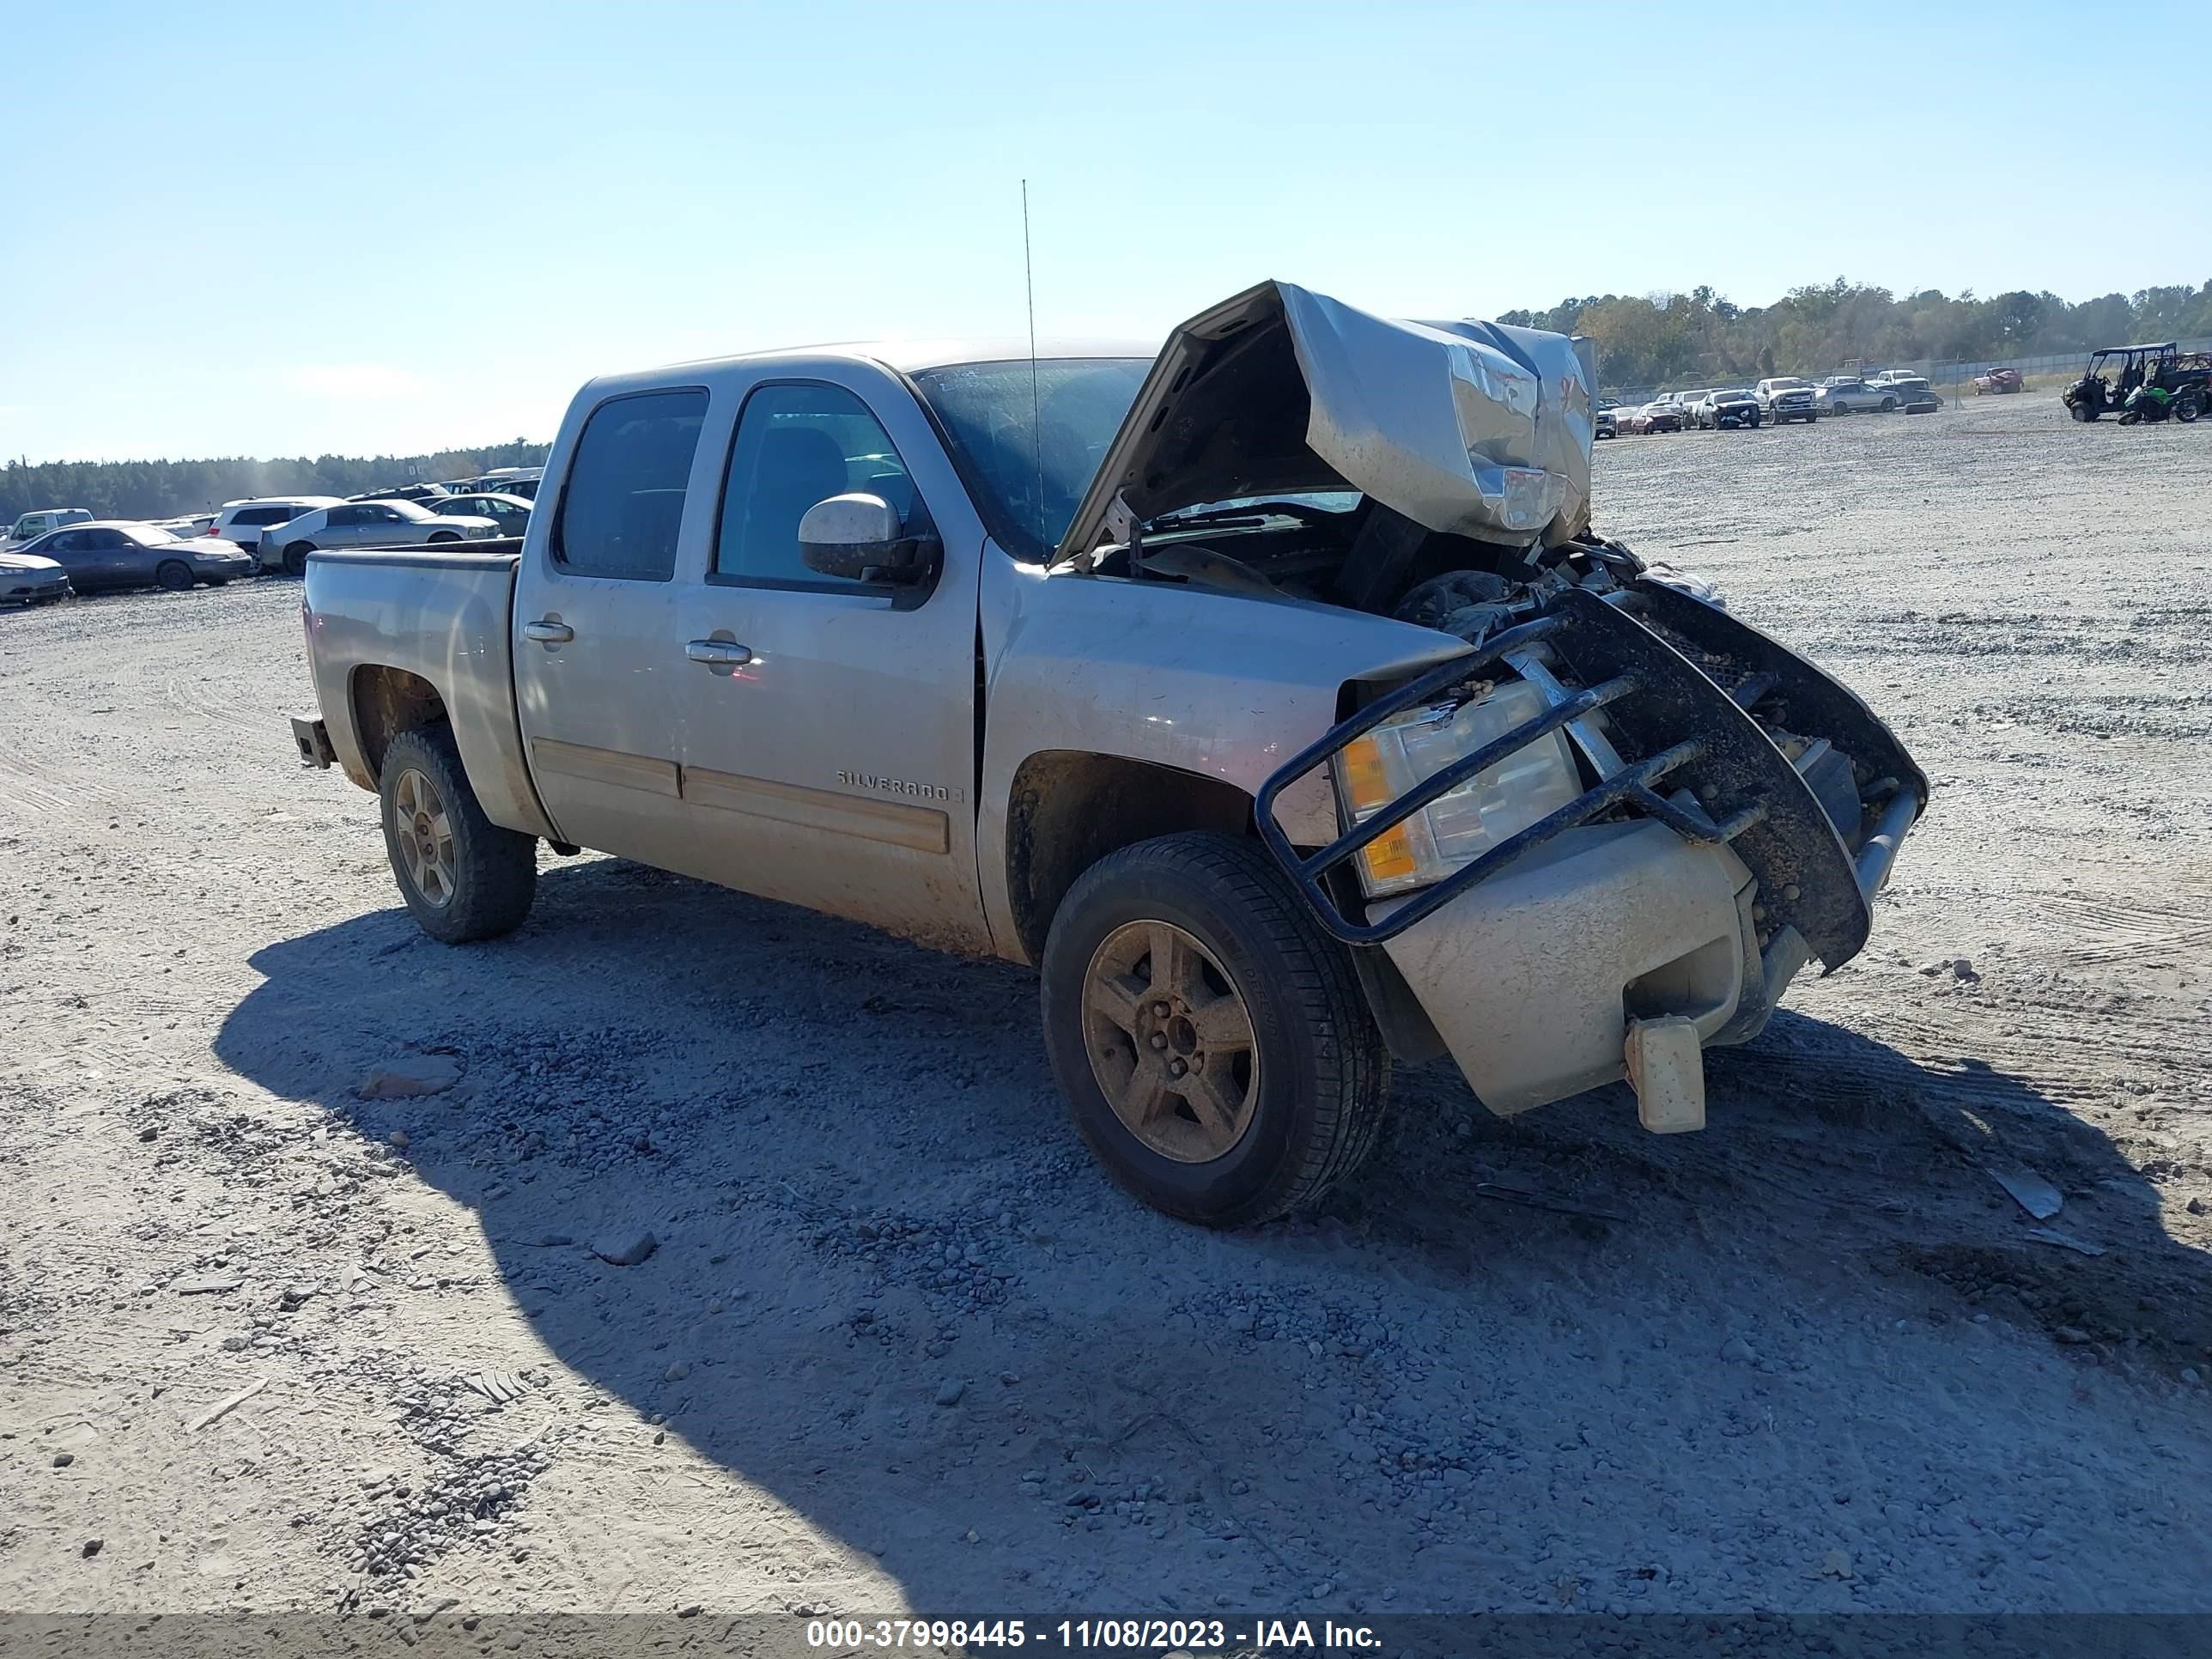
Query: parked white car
column 243, row 521
column 364, row 523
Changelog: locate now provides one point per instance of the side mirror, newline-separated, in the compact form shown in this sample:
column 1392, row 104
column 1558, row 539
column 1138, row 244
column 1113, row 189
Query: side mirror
column 859, row 538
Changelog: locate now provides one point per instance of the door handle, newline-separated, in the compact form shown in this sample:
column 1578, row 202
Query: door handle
column 548, row 633
column 717, row 653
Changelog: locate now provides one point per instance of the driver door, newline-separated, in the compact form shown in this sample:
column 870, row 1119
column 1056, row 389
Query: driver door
column 833, row 765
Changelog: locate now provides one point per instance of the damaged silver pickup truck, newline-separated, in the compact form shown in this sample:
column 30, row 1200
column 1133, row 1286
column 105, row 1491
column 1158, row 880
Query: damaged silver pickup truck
column 1272, row 696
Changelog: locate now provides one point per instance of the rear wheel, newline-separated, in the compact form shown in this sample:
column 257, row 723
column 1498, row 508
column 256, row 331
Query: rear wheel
column 464, row 878
column 295, row 558
column 1213, row 1044
column 172, row 576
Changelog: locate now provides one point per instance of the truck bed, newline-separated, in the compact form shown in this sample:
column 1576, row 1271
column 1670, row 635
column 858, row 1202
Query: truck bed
column 435, row 619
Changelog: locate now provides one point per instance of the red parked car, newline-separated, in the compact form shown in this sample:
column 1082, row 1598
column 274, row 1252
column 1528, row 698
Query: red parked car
column 1996, row 379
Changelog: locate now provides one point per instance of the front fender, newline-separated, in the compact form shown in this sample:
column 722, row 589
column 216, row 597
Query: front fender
column 1221, row 685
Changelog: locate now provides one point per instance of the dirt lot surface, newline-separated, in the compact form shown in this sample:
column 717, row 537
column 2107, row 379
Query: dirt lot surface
column 898, row 1343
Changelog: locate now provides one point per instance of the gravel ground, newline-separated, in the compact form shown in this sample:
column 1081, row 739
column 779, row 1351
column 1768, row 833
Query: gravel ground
column 883, row 1337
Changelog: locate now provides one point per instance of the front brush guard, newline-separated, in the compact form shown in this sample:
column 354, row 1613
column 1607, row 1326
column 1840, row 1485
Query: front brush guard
column 1672, row 723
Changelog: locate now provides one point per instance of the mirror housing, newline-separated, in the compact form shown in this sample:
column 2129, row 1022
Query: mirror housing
column 859, row 538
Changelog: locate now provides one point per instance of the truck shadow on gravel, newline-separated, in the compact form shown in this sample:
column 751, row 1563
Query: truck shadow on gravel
column 887, row 1286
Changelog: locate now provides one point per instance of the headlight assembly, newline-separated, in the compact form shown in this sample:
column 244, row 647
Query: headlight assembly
column 1458, row 827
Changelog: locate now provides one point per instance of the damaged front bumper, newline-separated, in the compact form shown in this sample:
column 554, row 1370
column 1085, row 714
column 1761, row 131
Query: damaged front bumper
column 1743, row 809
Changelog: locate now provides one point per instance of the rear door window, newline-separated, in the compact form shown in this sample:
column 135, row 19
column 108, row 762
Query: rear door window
column 623, row 503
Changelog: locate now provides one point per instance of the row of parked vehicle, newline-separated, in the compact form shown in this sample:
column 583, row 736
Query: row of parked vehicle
column 53, row 552
column 1777, row 401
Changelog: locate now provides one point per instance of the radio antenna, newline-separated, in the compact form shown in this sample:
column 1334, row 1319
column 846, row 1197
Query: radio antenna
column 1037, row 416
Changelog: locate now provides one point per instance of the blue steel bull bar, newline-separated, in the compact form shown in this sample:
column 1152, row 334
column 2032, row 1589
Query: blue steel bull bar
column 1631, row 786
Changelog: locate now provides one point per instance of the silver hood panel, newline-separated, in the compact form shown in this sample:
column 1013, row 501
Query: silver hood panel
column 1468, row 429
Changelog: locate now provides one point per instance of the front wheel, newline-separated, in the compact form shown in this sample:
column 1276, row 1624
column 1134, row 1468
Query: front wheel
column 295, row 558
column 1889, row 405
column 2186, row 408
column 2081, row 412
column 173, row 578
column 464, row 878
column 1213, row 1042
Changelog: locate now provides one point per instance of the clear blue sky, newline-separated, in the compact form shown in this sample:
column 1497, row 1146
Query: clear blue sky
column 272, row 229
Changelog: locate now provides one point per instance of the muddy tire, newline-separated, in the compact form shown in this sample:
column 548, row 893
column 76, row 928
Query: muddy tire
column 2187, row 407
column 1245, row 1078
column 173, row 576
column 464, row 878
column 295, row 558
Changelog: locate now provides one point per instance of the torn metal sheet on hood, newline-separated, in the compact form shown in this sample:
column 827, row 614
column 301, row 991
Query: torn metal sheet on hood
column 1468, row 429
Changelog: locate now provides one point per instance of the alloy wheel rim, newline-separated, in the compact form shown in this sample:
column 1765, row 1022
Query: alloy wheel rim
column 424, row 835
column 1171, row 1042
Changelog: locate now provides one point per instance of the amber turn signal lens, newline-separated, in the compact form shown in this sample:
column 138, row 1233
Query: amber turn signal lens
column 1365, row 783
column 1389, row 856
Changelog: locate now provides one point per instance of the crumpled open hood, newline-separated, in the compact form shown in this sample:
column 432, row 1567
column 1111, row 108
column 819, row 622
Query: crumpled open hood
column 1471, row 429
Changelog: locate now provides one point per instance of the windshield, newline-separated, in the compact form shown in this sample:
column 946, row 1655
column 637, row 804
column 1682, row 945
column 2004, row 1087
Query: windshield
column 1028, row 449
column 1737, row 393
column 409, row 510
column 152, row 535
column 1785, row 385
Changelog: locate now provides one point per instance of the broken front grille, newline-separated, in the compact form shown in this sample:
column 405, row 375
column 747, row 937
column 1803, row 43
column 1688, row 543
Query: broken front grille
column 1678, row 748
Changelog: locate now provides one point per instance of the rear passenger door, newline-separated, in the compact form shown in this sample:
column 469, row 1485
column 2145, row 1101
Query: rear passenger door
column 72, row 550
column 599, row 635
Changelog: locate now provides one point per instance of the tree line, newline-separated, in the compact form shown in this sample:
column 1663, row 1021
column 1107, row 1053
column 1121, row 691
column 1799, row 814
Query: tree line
column 169, row 490
column 1652, row 340
column 1702, row 339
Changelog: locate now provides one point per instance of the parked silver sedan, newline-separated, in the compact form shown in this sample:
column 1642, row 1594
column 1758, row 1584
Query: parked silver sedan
column 365, row 524
column 123, row 553
column 27, row 580
column 1840, row 394
column 510, row 512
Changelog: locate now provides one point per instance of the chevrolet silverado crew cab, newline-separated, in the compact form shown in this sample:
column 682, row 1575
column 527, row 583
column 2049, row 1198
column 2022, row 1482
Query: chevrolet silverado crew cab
column 1272, row 696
